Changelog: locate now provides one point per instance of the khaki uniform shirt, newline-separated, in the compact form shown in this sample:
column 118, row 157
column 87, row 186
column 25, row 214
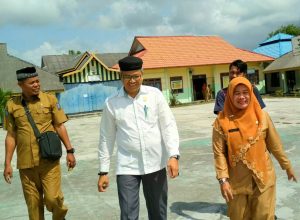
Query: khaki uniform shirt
column 45, row 112
column 240, row 177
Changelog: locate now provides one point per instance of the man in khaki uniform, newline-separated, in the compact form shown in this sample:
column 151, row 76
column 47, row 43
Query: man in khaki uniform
column 40, row 178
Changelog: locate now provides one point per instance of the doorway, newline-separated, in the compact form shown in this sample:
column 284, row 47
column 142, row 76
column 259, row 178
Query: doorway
column 198, row 82
column 290, row 80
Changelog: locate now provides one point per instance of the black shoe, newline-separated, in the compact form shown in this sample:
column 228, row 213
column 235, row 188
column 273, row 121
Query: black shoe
column 275, row 217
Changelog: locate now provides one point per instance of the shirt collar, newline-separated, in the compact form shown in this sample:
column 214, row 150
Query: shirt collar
column 37, row 97
column 123, row 93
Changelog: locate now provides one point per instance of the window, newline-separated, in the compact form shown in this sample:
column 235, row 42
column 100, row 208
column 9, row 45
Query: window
column 253, row 76
column 275, row 79
column 155, row 82
column 176, row 84
column 224, row 77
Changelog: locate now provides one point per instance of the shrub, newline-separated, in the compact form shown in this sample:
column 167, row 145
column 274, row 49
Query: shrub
column 279, row 93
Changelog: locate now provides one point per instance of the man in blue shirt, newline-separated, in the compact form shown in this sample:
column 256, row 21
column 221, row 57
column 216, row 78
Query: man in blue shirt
column 236, row 68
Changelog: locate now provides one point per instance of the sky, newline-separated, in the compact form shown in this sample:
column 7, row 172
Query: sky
column 33, row 28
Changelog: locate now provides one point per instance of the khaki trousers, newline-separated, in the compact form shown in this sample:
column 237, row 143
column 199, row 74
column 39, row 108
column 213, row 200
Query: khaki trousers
column 258, row 206
column 42, row 185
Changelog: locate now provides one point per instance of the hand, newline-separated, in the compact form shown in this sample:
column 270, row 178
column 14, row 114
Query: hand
column 173, row 168
column 226, row 191
column 71, row 161
column 8, row 173
column 291, row 175
column 103, row 183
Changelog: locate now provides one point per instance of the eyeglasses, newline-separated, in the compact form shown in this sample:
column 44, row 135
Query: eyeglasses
column 130, row 77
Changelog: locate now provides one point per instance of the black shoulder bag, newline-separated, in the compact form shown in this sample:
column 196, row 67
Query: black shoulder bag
column 49, row 142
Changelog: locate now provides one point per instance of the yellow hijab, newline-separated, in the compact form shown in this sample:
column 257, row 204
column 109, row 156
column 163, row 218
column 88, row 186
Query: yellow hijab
column 242, row 129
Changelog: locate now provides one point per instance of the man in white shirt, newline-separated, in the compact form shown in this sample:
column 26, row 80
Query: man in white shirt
column 138, row 119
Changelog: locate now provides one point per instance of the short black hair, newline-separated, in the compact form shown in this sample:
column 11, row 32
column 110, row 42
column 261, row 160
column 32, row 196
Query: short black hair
column 241, row 65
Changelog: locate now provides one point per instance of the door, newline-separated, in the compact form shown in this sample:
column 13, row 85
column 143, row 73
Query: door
column 198, row 82
column 290, row 80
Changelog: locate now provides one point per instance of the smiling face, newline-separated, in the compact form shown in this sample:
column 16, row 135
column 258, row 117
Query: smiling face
column 241, row 96
column 132, row 81
column 30, row 87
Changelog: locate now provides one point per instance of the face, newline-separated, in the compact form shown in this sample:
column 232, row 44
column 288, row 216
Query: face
column 30, row 87
column 132, row 81
column 234, row 72
column 241, row 96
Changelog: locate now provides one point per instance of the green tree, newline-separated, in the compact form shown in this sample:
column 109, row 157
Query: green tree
column 4, row 96
column 73, row 52
column 287, row 29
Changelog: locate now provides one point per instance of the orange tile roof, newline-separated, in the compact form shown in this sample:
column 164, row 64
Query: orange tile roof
column 183, row 51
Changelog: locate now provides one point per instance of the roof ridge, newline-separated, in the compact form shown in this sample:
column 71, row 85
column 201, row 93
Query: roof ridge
column 254, row 52
column 167, row 36
column 24, row 61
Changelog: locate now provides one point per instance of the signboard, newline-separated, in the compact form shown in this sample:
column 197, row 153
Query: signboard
column 176, row 84
column 94, row 78
column 251, row 71
column 225, row 81
column 296, row 45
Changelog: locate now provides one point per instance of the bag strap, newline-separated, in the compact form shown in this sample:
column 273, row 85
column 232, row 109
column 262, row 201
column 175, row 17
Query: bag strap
column 31, row 121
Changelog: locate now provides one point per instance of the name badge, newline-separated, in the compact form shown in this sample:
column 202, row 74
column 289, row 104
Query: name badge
column 233, row 130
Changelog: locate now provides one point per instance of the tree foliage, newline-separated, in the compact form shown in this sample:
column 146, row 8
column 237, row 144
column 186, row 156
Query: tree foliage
column 290, row 29
column 73, row 52
column 4, row 96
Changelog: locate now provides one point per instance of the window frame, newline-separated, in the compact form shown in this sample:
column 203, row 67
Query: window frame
column 176, row 78
column 152, row 82
column 253, row 76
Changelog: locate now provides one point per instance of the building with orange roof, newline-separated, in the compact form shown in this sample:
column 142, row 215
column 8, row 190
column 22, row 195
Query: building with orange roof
column 182, row 64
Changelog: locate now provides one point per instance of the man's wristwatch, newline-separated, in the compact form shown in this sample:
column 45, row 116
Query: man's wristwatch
column 223, row 180
column 70, row 151
column 102, row 173
column 176, row 157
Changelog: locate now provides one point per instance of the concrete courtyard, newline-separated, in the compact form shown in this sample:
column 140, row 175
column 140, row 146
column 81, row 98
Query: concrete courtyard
column 193, row 195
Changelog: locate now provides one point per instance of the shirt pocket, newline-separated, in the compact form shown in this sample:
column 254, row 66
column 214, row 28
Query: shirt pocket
column 20, row 117
column 120, row 116
column 46, row 109
column 42, row 114
column 150, row 115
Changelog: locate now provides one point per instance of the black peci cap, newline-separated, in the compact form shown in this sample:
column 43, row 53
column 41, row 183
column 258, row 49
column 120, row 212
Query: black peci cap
column 25, row 73
column 130, row 63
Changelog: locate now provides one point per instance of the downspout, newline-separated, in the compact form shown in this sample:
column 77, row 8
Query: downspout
column 166, row 85
column 215, row 88
column 189, row 73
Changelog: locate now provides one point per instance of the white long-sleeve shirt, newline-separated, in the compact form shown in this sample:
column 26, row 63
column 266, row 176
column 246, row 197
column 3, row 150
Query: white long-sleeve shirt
column 144, row 130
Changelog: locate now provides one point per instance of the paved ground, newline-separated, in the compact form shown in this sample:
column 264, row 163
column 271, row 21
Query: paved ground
column 194, row 195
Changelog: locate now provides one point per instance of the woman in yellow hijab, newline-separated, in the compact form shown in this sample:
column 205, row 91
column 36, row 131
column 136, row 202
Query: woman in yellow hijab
column 243, row 139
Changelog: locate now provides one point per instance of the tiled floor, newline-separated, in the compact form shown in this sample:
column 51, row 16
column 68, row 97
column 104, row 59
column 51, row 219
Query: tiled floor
column 193, row 195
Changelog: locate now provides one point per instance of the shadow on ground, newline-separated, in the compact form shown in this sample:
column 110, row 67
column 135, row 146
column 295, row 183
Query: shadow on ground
column 180, row 208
